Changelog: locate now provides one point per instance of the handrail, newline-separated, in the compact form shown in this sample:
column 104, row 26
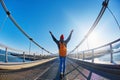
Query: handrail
column 92, row 53
column 102, row 45
column 4, row 46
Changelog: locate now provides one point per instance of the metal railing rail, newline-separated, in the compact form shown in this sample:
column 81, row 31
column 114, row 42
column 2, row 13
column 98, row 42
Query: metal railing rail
column 7, row 51
column 110, row 45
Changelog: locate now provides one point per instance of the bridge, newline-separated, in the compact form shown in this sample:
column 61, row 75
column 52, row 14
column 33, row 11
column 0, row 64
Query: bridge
column 80, row 65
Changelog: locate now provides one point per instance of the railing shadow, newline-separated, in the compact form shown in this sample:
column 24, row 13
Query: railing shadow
column 87, row 77
column 93, row 70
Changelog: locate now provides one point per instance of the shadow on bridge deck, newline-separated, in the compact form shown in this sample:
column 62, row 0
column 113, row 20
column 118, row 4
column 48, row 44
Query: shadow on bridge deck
column 75, row 70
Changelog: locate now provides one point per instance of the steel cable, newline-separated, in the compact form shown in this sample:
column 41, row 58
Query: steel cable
column 114, row 17
column 104, row 6
column 16, row 24
column 3, row 23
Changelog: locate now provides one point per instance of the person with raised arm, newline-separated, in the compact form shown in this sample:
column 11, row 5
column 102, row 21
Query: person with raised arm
column 62, row 47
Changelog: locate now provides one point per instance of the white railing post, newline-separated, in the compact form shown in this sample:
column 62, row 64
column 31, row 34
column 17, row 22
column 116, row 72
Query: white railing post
column 83, row 55
column 0, row 51
column 42, row 51
column 6, row 55
column 111, row 51
column 42, row 54
column 23, row 56
column 78, row 55
column 92, row 55
column 75, row 55
column 34, row 56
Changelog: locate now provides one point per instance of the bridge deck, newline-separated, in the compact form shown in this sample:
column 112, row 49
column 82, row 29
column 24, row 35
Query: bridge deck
column 49, row 71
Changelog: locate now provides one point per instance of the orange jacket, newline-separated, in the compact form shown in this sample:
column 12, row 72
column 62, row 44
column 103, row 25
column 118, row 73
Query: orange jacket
column 62, row 45
column 62, row 49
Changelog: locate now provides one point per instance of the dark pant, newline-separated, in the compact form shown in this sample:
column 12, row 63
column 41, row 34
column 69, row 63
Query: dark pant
column 62, row 64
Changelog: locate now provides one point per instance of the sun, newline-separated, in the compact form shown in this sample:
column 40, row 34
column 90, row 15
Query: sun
column 93, row 40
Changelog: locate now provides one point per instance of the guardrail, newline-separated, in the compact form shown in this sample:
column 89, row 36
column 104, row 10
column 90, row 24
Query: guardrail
column 96, row 52
column 6, row 51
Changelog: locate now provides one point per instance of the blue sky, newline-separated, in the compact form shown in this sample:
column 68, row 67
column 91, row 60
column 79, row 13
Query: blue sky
column 37, row 17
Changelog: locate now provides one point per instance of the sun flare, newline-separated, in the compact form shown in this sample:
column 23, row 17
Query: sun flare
column 93, row 39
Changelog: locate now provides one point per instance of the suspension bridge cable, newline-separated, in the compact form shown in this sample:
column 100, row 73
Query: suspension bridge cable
column 13, row 20
column 114, row 17
column 29, row 47
column 87, row 43
column 3, row 23
column 104, row 6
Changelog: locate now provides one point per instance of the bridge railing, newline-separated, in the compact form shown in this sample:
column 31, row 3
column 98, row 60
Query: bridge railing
column 91, row 54
column 8, row 54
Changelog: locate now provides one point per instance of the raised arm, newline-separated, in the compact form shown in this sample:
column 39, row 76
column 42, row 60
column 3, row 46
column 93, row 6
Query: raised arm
column 54, row 39
column 69, row 37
